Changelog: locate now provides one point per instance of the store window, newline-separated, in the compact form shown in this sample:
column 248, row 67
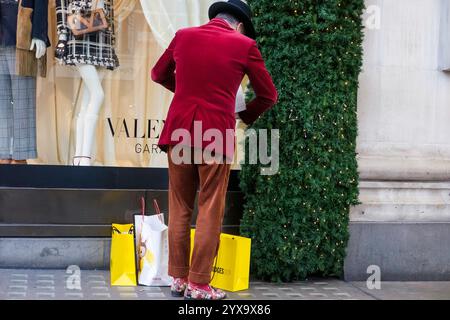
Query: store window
column 97, row 104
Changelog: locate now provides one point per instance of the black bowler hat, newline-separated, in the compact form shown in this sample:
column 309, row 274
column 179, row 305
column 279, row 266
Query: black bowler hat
column 237, row 8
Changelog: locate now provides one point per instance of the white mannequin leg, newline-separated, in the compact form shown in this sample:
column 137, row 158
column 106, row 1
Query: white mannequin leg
column 89, row 112
column 80, row 125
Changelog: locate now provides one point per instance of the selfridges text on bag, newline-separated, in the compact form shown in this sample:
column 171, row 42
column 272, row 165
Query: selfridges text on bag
column 232, row 265
column 153, row 248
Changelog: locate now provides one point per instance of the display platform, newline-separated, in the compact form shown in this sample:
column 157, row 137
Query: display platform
column 66, row 201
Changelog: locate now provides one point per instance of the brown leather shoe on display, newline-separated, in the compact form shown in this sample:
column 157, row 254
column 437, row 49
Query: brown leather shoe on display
column 18, row 161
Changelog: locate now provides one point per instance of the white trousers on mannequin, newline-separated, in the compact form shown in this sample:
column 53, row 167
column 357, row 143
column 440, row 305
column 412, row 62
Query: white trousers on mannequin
column 87, row 118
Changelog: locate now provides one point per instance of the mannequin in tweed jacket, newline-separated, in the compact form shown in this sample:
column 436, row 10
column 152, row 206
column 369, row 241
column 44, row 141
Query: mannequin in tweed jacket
column 90, row 54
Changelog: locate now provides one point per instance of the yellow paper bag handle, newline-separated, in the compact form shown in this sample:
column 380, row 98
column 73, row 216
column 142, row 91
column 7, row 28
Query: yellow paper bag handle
column 117, row 231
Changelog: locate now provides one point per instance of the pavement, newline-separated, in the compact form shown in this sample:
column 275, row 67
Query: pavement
column 94, row 285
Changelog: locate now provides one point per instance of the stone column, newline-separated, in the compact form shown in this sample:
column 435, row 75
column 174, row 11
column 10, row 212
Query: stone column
column 403, row 147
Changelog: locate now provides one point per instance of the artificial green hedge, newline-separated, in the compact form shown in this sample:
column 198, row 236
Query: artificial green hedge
column 298, row 219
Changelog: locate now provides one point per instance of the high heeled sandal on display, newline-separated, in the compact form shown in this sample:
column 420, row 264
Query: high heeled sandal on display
column 79, row 157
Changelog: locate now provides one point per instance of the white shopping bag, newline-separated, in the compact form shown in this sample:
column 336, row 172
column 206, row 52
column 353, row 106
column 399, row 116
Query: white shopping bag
column 153, row 249
column 240, row 101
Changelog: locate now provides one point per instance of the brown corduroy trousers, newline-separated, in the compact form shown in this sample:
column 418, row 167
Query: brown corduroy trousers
column 184, row 179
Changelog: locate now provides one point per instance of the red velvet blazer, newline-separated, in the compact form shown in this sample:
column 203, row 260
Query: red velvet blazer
column 204, row 67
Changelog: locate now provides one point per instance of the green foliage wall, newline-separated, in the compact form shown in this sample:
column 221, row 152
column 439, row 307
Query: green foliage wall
column 298, row 219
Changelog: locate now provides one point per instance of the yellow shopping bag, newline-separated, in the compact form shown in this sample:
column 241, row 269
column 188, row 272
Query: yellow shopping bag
column 123, row 260
column 232, row 264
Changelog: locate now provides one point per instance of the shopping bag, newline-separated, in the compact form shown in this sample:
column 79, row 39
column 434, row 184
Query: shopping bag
column 240, row 101
column 153, row 248
column 123, row 260
column 232, row 265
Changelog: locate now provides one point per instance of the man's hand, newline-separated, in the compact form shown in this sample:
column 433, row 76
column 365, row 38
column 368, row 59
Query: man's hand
column 39, row 46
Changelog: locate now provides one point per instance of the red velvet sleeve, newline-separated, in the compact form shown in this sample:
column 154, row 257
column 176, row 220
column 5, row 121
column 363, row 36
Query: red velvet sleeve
column 164, row 70
column 261, row 81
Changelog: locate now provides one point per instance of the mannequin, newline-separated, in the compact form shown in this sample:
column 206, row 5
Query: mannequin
column 89, row 54
column 23, row 45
